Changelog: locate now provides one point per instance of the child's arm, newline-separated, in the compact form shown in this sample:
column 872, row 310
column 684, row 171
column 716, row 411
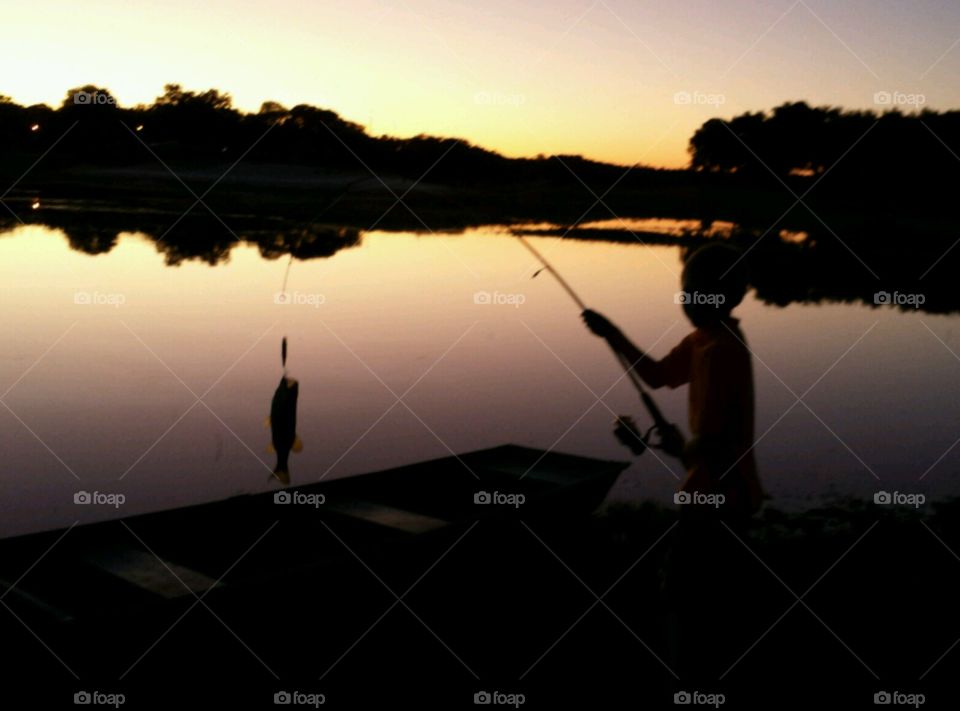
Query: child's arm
column 673, row 370
column 601, row 326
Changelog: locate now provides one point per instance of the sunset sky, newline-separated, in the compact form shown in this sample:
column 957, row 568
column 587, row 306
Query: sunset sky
column 523, row 77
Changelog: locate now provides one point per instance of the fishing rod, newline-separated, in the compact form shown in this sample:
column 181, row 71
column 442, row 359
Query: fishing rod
column 670, row 439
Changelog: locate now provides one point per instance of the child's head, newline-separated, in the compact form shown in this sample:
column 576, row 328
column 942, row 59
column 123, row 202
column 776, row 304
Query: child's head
column 714, row 281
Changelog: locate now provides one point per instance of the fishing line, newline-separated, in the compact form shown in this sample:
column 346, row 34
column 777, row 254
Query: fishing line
column 283, row 295
column 286, row 274
column 337, row 198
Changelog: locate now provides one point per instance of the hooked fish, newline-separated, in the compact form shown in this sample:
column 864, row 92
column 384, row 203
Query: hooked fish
column 283, row 426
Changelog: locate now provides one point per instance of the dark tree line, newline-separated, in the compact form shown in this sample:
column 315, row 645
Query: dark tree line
column 883, row 156
column 859, row 149
column 201, row 127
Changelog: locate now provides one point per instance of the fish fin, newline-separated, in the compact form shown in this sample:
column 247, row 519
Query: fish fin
column 270, row 449
column 297, row 444
column 266, row 421
column 282, row 476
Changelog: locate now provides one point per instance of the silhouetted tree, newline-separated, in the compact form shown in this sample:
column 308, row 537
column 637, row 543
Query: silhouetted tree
column 887, row 156
column 89, row 95
column 273, row 107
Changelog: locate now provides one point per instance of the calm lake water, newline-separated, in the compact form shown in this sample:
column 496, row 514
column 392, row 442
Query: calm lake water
column 102, row 396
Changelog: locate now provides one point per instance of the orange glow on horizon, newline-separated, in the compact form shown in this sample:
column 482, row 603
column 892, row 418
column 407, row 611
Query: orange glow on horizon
column 617, row 82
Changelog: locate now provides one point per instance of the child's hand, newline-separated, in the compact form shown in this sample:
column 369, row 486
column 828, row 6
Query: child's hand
column 599, row 324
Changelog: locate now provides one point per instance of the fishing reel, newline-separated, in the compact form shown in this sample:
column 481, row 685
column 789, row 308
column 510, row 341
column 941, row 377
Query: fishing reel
column 668, row 438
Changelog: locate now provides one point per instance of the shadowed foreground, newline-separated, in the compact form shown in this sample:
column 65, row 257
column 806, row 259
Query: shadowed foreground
column 380, row 609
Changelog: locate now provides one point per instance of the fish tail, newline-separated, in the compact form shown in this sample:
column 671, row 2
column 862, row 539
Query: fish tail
column 282, row 475
column 281, row 472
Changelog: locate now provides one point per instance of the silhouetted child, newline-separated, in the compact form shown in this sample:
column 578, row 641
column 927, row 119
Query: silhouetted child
column 707, row 568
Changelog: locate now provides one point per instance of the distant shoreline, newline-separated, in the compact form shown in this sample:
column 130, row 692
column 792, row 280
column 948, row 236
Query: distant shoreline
column 264, row 193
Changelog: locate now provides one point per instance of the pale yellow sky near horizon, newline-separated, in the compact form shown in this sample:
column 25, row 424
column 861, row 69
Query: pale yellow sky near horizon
column 612, row 80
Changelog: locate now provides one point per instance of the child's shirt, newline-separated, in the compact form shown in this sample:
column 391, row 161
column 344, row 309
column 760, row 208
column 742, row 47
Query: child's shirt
column 716, row 363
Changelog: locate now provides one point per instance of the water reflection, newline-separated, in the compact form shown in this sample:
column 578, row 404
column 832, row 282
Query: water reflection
column 786, row 266
column 110, row 385
column 196, row 238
